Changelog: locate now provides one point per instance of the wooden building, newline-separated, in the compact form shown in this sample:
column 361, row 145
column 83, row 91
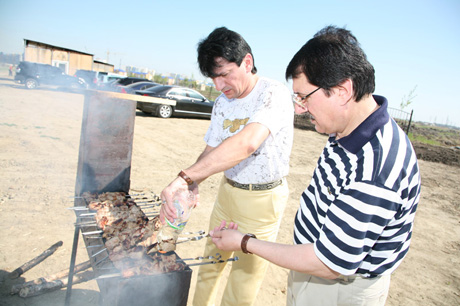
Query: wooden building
column 101, row 66
column 67, row 59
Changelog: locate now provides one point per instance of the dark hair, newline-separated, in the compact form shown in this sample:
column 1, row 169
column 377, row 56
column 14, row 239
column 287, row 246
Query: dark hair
column 224, row 43
column 329, row 58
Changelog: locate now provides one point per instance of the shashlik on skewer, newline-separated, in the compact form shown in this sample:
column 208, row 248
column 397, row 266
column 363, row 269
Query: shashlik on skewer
column 128, row 235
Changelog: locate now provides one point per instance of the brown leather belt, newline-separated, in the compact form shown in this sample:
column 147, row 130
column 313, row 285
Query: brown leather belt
column 266, row 186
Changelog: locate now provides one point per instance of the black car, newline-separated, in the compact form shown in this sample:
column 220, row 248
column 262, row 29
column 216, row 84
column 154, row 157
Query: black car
column 132, row 88
column 33, row 75
column 128, row 80
column 189, row 102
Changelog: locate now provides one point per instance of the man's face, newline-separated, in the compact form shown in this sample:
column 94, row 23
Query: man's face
column 324, row 113
column 233, row 80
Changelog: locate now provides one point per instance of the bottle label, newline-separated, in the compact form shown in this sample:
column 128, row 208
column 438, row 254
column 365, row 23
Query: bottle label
column 179, row 226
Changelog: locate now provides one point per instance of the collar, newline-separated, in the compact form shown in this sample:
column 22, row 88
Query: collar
column 368, row 128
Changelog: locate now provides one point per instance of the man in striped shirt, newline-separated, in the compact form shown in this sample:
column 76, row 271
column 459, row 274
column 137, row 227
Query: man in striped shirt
column 355, row 220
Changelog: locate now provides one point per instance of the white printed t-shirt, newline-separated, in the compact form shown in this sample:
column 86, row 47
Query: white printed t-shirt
column 270, row 104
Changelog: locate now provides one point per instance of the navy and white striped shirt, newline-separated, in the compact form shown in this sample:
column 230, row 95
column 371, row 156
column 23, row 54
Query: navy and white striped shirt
column 359, row 207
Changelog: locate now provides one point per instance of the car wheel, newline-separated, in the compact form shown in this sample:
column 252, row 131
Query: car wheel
column 164, row 111
column 31, row 84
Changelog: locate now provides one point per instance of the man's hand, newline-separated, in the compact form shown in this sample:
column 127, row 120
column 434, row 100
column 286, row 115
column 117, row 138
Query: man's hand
column 227, row 238
column 167, row 209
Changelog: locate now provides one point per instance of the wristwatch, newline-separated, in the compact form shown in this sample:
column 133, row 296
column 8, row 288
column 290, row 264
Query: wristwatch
column 185, row 177
column 244, row 242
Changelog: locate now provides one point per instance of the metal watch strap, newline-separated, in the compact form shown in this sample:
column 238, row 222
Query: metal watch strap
column 185, row 177
column 244, row 242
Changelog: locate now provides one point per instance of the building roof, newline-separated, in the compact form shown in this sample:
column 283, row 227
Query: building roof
column 104, row 63
column 27, row 41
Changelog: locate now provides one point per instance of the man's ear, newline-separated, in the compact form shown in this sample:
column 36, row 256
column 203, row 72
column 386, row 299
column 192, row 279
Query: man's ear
column 248, row 62
column 346, row 90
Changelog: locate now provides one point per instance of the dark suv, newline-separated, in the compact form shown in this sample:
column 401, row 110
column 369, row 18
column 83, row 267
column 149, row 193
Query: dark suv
column 33, row 75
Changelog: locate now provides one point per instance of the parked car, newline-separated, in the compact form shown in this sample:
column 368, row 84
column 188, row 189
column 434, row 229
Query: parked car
column 132, row 88
column 129, row 80
column 189, row 102
column 111, row 77
column 92, row 78
column 33, row 75
column 115, row 84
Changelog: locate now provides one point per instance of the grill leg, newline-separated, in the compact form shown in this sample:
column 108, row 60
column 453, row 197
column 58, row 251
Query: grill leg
column 72, row 266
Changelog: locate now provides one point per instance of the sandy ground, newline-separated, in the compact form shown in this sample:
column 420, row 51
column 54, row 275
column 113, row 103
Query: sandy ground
column 39, row 140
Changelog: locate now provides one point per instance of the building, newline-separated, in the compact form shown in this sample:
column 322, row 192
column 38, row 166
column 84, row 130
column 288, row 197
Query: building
column 102, row 66
column 67, row 59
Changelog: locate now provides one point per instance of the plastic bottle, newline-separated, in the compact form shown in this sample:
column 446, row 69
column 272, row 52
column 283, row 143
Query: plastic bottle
column 183, row 201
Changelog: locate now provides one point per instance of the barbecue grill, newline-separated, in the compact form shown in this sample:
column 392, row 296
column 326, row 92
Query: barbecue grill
column 104, row 165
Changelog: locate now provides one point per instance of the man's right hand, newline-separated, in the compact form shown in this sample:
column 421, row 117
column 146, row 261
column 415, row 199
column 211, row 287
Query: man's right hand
column 167, row 209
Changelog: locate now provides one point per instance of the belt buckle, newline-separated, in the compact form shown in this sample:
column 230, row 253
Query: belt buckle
column 254, row 187
column 244, row 186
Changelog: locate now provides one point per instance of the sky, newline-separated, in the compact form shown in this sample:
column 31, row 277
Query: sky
column 414, row 46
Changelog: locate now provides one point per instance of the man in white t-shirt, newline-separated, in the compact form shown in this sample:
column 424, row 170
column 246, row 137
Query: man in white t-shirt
column 250, row 139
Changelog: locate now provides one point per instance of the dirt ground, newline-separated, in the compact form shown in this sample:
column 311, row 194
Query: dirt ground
column 39, row 140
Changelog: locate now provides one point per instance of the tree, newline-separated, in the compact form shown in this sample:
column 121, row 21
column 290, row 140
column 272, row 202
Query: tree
column 407, row 100
column 157, row 78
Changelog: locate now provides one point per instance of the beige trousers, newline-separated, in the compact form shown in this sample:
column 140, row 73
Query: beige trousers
column 305, row 289
column 256, row 212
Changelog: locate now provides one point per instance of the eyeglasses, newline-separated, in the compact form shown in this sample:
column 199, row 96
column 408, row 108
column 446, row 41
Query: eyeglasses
column 298, row 100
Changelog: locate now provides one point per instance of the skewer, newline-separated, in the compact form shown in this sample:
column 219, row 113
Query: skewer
column 78, row 208
column 200, row 232
column 87, row 215
column 92, row 233
column 155, row 198
column 217, row 256
column 99, row 252
column 146, row 203
column 134, row 195
column 195, row 238
column 214, row 262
